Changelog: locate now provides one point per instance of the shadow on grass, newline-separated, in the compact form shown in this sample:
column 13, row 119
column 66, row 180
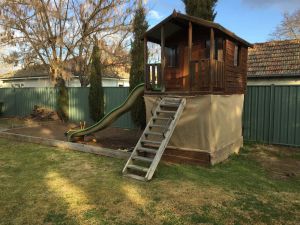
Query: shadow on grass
column 47, row 185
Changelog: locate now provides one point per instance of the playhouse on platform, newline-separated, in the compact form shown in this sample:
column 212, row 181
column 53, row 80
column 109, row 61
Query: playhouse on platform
column 206, row 64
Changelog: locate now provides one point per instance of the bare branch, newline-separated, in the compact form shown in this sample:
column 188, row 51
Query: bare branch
column 289, row 28
column 60, row 33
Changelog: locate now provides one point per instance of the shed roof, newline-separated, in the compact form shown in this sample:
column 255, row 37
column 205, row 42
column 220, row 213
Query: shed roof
column 274, row 59
column 176, row 19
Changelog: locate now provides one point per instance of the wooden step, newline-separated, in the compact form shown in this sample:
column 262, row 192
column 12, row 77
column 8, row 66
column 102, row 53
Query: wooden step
column 154, row 133
column 138, row 168
column 151, row 142
column 162, row 118
column 158, row 126
column 143, row 159
column 170, row 105
column 178, row 100
column 149, row 150
column 166, row 111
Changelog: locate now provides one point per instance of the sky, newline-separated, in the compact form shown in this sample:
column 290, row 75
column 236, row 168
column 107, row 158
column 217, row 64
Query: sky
column 252, row 20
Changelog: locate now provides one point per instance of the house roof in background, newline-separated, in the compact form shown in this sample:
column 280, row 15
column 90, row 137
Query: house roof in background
column 32, row 71
column 177, row 18
column 41, row 71
column 274, row 59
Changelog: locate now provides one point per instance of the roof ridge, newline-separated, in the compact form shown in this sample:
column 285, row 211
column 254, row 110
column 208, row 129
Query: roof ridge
column 277, row 41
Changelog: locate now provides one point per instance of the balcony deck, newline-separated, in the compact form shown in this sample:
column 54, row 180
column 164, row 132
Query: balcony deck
column 205, row 77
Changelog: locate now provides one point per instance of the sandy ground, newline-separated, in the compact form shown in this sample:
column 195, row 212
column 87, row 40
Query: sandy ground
column 114, row 138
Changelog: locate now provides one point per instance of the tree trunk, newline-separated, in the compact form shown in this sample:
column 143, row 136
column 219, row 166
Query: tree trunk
column 62, row 99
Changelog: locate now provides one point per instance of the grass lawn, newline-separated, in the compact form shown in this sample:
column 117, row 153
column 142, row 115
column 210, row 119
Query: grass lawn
column 44, row 185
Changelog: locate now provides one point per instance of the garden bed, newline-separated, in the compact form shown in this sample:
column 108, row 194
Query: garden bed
column 115, row 139
column 112, row 138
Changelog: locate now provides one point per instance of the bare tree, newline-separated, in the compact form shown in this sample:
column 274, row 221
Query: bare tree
column 60, row 33
column 289, row 28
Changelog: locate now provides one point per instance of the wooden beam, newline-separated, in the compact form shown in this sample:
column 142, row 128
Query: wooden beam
column 163, row 58
column 212, row 44
column 66, row 145
column 146, row 74
column 190, row 45
column 190, row 41
column 225, row 63
column 212, row 57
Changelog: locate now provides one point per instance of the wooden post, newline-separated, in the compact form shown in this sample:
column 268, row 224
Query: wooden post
column 212, row 58
column 158, row 75
column 145, row 63
column 163, row 58
column 224, row 61
column 190, row 44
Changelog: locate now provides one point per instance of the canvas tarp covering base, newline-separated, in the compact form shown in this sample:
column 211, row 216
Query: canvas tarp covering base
column 209, row 123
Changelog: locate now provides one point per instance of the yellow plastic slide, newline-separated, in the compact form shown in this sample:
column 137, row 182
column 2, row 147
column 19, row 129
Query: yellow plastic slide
column 110, row 117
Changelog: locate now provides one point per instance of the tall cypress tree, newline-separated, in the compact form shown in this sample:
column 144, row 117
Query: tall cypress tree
column 96, row 93
column 204, row 9
column 140, row 26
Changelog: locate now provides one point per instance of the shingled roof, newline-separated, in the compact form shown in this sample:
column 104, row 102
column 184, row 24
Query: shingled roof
column 274, row 59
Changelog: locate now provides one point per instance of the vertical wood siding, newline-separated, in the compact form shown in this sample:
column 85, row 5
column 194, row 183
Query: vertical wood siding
column 235, row 76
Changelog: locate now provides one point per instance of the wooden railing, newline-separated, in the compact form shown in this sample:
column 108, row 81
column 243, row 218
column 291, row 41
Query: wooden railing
column 174, row 83
column 206, row 76
column 218, row 75
column 203, row 77
column 200, row 75
column 153, row 77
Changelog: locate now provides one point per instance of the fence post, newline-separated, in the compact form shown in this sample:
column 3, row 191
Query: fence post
column 15, row 101
column 271, row 114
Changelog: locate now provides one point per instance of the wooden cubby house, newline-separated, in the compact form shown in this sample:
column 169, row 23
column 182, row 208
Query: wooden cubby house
column 206, row 64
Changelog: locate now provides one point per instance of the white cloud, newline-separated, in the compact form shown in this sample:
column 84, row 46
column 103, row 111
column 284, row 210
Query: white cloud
column 153, row 14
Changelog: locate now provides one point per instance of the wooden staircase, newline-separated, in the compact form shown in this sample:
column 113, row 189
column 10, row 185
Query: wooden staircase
column 147, row 153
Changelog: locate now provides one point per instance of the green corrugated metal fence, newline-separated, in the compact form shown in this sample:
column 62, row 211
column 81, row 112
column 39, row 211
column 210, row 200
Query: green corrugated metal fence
column 7, row 96
column 272, row 115
column 113, row 97
column 20, row 102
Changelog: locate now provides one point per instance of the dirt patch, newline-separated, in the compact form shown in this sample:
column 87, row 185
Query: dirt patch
column 20, row 122
column 9, row 122
column 113, row 138
column 53, row 130
column 280, row 162
column 116, row 138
